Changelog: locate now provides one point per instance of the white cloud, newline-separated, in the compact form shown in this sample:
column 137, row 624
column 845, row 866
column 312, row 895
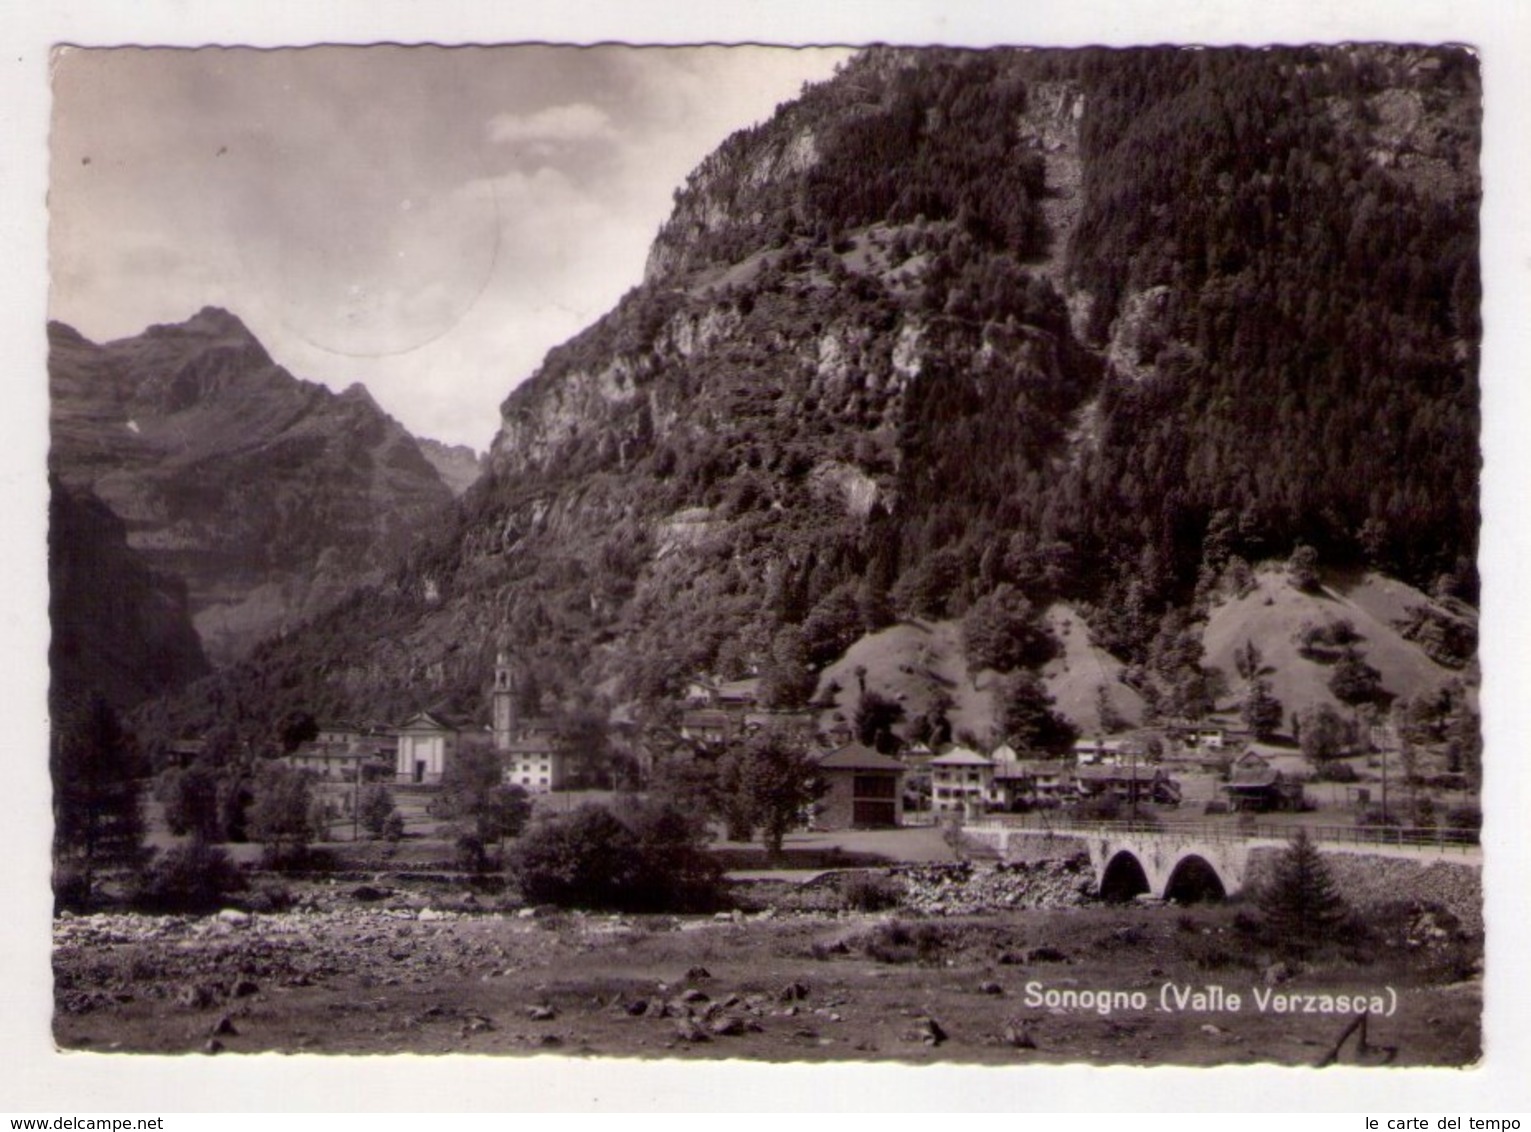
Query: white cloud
column 431, row 223
column 575, row 121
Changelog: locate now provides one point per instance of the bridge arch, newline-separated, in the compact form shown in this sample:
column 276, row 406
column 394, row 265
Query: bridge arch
column 1123, row 878
column 1194, row 879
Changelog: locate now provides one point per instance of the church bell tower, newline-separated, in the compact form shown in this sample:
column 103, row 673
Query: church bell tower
column 504, row 704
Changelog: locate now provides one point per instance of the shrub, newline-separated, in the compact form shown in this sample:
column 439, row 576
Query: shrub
column 655, row 861
column 190, row 878
column 898, row 942
column 865, row 892
column 71, row 889
column 1337, row 772
column 1465, row 817
column 375, row 808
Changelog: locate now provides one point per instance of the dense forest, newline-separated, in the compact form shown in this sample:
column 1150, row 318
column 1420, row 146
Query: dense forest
column 892, row 355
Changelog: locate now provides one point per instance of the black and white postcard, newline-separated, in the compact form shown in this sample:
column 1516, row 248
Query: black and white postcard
column 916, row 551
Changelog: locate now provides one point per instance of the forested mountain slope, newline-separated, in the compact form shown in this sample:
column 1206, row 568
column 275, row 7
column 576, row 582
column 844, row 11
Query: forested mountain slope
column 1101, row 326
column 119, row 630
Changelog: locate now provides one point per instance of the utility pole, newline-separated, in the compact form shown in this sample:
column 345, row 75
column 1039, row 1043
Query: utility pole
column 1132, row 781
column 1384, row 784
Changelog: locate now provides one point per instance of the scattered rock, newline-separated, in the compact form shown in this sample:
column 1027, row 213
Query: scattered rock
column 1019, row 1037
column 368, row 893
column 638, row 1007
column 1209, row 1028
column 990, row 987
column 931, row 1032
column 689, row 1031
column 793, row 992
column 698, row 973
column 541, row 1013
column 224, row 1026
column 693, row 995
column 234, row 917
column 1276, row 974
column 728, row 1025
column 196, row 996
column 244, row 987
column 477, row 1024
column 213, row 1045
column 1046, row 955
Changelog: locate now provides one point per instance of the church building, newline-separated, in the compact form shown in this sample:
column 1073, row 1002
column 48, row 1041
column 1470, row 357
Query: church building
column 528, row 747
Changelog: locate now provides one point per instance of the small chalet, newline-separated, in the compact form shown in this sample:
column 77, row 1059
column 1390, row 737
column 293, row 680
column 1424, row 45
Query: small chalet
column 1198, row 736
column 426, row 743
column 1099, row 752
column 184, row 752
column 961, row 780
column 335, row 761
column 801, row 722
column 710, row 725
column 1128, row 784
column 1254, row 785
column 1032, row 784
column 737, row 695
column 865, row 790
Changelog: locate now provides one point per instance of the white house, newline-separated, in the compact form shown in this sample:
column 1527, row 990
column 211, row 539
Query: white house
column 962, row 781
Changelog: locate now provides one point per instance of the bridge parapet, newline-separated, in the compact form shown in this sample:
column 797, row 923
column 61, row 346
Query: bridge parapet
column 1182, row 860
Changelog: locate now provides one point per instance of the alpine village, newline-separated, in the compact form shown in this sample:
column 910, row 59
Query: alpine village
column 1001, row 583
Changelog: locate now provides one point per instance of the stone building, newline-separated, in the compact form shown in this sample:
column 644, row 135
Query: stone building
column 864, row 790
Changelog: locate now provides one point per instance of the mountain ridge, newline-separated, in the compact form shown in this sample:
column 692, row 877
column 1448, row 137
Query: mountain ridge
column 911, row 340
column 234, row 475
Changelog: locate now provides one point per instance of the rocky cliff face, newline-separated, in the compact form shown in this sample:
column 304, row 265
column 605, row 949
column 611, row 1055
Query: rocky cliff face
column 268, row 496
column 1090, row 324
column 119, row 628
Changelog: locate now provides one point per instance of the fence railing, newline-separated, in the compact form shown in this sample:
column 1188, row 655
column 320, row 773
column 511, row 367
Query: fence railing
column 1443, row 840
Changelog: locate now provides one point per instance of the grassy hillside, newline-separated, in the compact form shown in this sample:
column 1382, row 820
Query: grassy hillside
column 1275, row 612
column 1074, row 677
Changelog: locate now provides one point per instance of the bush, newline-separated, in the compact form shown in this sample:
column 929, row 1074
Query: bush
column 375, row 808
column 190, row 878
column 865, row 892
column 1465, row 817
column 1337, row 772
column 653, row 862
column 71, row 889
column 898, row 942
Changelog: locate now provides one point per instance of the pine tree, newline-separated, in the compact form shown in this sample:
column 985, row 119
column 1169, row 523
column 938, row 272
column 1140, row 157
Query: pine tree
column 97, row 819
column 1300, row 903
column 1262, row 711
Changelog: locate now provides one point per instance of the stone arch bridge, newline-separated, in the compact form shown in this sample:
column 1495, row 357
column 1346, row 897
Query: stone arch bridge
column 1171, row 864
column 1200, row 861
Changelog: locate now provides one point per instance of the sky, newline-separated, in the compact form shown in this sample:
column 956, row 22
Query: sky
column 427, row 221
